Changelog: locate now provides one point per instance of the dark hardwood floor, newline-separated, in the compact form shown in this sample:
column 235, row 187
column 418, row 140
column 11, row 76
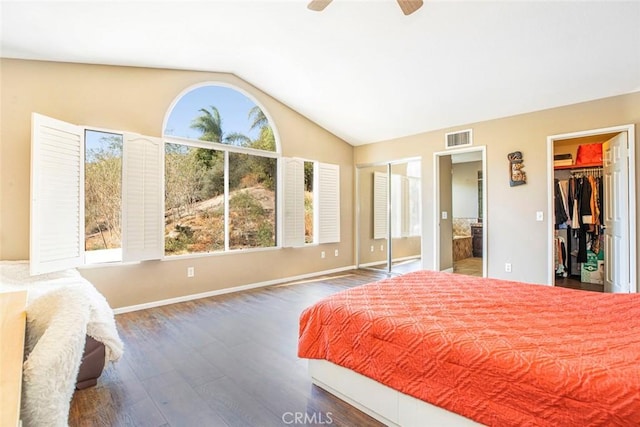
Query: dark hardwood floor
column 575, row 283
column 228, row 360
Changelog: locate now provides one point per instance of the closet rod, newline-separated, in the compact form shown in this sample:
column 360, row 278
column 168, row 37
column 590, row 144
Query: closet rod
column 591, row 170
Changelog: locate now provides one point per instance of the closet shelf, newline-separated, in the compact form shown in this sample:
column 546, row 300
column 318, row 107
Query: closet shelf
column 581, row 166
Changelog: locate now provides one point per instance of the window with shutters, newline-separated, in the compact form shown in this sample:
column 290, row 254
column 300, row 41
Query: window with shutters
column 102, row 196
column 308, row 201
column 107, row 196
column 311, row 202
column 221, row 173
column 96, row 196
column 327, row 197
column 57, row 195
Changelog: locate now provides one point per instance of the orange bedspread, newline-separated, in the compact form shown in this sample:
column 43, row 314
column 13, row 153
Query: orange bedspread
column 498, row 352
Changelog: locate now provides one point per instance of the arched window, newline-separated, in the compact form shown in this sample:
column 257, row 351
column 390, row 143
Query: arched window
column 220, row 173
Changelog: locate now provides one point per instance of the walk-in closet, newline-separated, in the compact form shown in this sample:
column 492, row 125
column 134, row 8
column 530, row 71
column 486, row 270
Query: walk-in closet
column 578, row 213
column 592, row 201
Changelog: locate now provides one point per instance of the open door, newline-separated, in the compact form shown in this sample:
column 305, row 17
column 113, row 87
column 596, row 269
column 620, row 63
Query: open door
column 616, row 208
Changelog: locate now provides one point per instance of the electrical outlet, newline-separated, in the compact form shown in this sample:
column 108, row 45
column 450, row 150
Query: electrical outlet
column 372, row 248
column 381, row 248
column 336, row 252
column 322, row 254
column 191, row 272
column 507, row 267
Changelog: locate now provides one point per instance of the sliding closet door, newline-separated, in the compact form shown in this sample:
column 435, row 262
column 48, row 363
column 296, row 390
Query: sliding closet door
column 405, row 222
column 389, row 216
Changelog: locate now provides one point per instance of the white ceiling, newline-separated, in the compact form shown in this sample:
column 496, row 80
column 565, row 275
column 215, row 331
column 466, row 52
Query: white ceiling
column 360, row 69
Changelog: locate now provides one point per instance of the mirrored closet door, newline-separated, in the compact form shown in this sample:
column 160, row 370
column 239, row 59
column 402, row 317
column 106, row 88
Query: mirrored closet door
column 389, row 216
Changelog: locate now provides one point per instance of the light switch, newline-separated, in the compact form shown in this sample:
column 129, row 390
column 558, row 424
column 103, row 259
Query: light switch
column 539, row 216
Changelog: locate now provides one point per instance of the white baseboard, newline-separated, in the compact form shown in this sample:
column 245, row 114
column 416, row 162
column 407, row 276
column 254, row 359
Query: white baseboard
column 384, row 262
column 227, row 290
column 372, row 264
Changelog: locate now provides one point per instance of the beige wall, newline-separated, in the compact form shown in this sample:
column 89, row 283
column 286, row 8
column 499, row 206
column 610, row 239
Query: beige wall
column 514, row 235
column 136, row 100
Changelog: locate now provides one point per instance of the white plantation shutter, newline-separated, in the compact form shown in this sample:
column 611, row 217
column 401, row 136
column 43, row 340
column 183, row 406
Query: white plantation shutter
column 293, row 228
column 142, row 198
column 380, row 191
column 57, row 195
column 327, row 192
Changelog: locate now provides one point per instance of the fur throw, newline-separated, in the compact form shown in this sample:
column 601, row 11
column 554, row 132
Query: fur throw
column 56, row 334
column 62, row 308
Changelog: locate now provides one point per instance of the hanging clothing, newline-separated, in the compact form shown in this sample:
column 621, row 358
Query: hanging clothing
column 582, row 245
column 594, row 201
column 561, row 257
column 596, row 212
column 585, row 203
column 575, row 213
column 571, row 202
column 600, row 198
column 560, row 209
column 564, row 193
column 578, row 207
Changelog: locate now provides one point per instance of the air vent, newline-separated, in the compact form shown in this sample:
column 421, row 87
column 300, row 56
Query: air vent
column 458, row 139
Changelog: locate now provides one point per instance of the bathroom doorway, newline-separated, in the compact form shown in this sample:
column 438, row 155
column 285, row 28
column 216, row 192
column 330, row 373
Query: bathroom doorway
column 460, row 211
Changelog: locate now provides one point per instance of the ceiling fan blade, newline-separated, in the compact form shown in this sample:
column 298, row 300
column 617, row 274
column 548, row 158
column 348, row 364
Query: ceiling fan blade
column 318, row 5
column 410, row 6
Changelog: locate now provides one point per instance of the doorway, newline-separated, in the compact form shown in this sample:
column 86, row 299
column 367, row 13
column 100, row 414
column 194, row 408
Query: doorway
column 389, row 232
column 607, row 253
column 460, row 211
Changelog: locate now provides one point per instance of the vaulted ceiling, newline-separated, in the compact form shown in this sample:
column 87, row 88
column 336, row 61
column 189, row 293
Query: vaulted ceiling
column 361, row 69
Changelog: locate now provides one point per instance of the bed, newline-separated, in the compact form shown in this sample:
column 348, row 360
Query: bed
column 474, row 350
column 70, row 335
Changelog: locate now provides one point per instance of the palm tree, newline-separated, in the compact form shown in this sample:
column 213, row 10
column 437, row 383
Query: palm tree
column 258, row 117
column 210, row 124
column 266, row 140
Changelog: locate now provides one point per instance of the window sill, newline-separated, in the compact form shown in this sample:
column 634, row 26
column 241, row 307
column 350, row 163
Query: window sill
column 103, row 256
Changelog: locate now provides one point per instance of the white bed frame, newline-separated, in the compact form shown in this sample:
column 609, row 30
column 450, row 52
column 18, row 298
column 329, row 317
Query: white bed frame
column 383, row 403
